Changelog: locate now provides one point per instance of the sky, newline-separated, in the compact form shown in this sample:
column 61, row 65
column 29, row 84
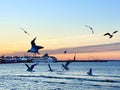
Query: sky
column 60, row 25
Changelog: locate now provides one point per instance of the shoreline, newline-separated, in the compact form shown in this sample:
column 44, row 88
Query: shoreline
column 63, row 61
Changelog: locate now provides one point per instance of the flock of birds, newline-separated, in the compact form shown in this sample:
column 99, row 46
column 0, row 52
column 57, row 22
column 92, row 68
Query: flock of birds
column 35, row 49
column 106, row 34
column 65, row 67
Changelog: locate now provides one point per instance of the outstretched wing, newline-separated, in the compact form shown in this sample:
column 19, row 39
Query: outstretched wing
column 90, row 28
column 32, row 66
column 92, row 31
column 87, row 26
column 49, row 67
column 27, row 66
column 39, row 47
column 63, row 65
column 67, row 63
column 25, row 31
column 114, row 32
column 33, row 42
column 107, row 34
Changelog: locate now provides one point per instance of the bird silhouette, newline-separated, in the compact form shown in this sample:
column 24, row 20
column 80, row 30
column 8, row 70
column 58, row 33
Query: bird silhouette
column 90, row 28
column 90, row 72
column 34, row 47
column 25, row 31
column 65, row 52
column 30, row 68
column 110, row 35
column 66, row 65
column 50, row 69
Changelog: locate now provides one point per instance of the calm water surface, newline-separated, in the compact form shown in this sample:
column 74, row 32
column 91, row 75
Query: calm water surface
column 106, row 76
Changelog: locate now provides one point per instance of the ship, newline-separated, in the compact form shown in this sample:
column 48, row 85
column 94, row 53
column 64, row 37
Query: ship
column 44, row 58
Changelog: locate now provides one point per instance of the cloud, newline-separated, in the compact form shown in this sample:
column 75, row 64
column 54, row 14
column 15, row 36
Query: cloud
column 87, row 49
column 83, row 49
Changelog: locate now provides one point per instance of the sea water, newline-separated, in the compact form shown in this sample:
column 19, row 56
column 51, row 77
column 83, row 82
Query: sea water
column 106, row 76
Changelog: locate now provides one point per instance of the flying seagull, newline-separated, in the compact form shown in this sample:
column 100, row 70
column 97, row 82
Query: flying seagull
column 34, row 47
column 25, row 31
column 50, row 69
column 66, row 65
column 90, row 72
column 30, row 69
column 65, row 52
column 110, row 35
column 90, row 28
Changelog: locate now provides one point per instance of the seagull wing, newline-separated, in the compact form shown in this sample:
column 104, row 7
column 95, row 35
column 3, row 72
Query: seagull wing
column 90, row 28
column 25, row 31
column 39, row 47
column 33, row 42
column 114, row 32
column 63, row 65
column 107, row 34
column 49, row 67
column 67, row 63
column 27, row 66
column 32, row 66
column 87, row 26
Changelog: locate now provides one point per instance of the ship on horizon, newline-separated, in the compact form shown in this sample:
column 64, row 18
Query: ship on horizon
column 25, row 59
column 44, row 58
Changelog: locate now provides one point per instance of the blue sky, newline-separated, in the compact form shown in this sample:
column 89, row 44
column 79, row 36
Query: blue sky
column 62, row 13
column 57, row 23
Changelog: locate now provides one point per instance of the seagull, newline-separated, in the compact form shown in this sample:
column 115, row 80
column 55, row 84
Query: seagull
column 90, row 72
column 65, row 52
column 90, row 28
column 50, row 69
column 110, row 35
column 30, row 69
column 34, row 47
column 25, row 31
column 66, row 65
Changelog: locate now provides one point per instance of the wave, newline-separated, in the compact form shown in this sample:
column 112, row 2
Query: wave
column 69, row 80
column 81, row 78
column 94, row 78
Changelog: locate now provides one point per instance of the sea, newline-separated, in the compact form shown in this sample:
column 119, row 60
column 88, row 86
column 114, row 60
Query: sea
column 106, row 76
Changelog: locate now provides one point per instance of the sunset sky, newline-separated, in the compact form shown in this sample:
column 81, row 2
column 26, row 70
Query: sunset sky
column 60, row 25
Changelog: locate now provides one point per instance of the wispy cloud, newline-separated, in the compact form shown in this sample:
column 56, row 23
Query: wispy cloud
column 84, row 49
column 87, row 49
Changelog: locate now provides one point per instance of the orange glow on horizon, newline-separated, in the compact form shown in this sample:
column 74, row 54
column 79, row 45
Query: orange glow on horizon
column 90, row 56
column 68, row 56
